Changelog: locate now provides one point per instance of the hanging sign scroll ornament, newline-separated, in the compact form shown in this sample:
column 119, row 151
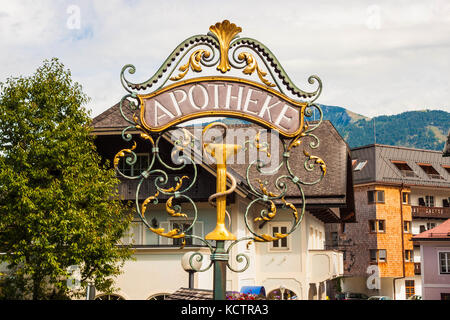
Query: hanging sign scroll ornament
column 263, row 95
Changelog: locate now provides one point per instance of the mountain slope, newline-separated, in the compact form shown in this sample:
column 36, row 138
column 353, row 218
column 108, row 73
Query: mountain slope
column 415, row 129
column 426, row 129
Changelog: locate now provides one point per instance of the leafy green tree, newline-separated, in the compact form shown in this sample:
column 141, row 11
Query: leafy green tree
column 59, row 204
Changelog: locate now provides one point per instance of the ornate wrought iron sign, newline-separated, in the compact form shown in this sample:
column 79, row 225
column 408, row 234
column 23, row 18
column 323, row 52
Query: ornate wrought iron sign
column 221, row 96
column 273, row 103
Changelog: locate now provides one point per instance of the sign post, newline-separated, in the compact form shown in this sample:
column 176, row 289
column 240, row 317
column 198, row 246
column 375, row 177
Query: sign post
column 263, row 95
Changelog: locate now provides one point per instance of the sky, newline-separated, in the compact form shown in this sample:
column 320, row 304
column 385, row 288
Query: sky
column 373, row 57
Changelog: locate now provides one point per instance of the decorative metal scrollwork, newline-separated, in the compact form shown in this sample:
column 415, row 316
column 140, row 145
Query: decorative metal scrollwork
column 220, row 47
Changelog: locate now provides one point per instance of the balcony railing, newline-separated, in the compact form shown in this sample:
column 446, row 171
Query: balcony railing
column 127, row 188
column 325, row 265
column 408, row 173
column 417, row 269
column 430, row 212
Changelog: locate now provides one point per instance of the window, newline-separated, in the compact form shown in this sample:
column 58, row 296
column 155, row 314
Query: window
column 447, row 168
column 334, row 239
column 183, row 226
column 409, row 255
column 137, row 168
column 404, row 168
column 373, row 225
column 444, row 262
column 431, row 225
column 281, row 244
column 429, row 201
column 430, row 171
column 375, row 196
column 382, row 255
column 282, row 294
column 109, row 297
column 409, row 288
column 377, row 225
column 159, row 296
column 381, row 226
column 373, row 256
column 377, row 255
column 446, row 202
column 134, row 233
column 360, row 165
column 407, row 226
column 405, row 198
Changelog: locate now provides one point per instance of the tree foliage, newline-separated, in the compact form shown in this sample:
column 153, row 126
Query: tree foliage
column 59, row 204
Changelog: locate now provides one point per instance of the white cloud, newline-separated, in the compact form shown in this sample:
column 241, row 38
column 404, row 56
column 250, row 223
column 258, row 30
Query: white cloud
column 374, row 57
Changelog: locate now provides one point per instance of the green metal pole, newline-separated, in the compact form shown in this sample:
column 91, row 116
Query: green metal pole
column 220, row 259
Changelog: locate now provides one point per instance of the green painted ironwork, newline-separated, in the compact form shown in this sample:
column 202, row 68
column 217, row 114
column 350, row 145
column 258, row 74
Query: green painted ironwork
column 177, row 189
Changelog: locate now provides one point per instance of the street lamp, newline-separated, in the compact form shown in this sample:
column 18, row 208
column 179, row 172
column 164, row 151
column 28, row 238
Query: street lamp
column 190, row 267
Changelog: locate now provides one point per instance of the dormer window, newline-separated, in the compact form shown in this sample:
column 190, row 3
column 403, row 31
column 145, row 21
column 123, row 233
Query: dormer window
column 430, row 171
column 447, row 168
column 360, row 165
column 404, row 168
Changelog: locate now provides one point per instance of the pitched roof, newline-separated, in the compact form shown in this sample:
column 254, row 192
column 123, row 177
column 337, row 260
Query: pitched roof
column 112, row 119
column 334, row 191
column 381, row 166
column 190, row 294
column 441, row 232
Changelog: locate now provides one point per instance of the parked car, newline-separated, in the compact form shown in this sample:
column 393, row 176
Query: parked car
column 415, row 297
column 379, row 298
column 351, row 296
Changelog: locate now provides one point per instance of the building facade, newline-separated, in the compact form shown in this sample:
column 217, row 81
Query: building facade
column 300, row 265
column 435, row 261
column 399, row 192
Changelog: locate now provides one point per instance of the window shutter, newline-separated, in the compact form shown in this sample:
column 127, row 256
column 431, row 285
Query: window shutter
column 421, row 202
column 197, row 230
column 164, row 240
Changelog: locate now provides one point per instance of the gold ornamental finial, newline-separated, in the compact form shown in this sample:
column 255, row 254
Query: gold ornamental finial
column 224, row 32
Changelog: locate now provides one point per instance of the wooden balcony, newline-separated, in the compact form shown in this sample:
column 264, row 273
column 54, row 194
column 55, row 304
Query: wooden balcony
column 199, row 191
column 430, row 212
column 417, row 269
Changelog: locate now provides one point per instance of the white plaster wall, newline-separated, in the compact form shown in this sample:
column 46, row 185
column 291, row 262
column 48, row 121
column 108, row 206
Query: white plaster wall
column 439, row 195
